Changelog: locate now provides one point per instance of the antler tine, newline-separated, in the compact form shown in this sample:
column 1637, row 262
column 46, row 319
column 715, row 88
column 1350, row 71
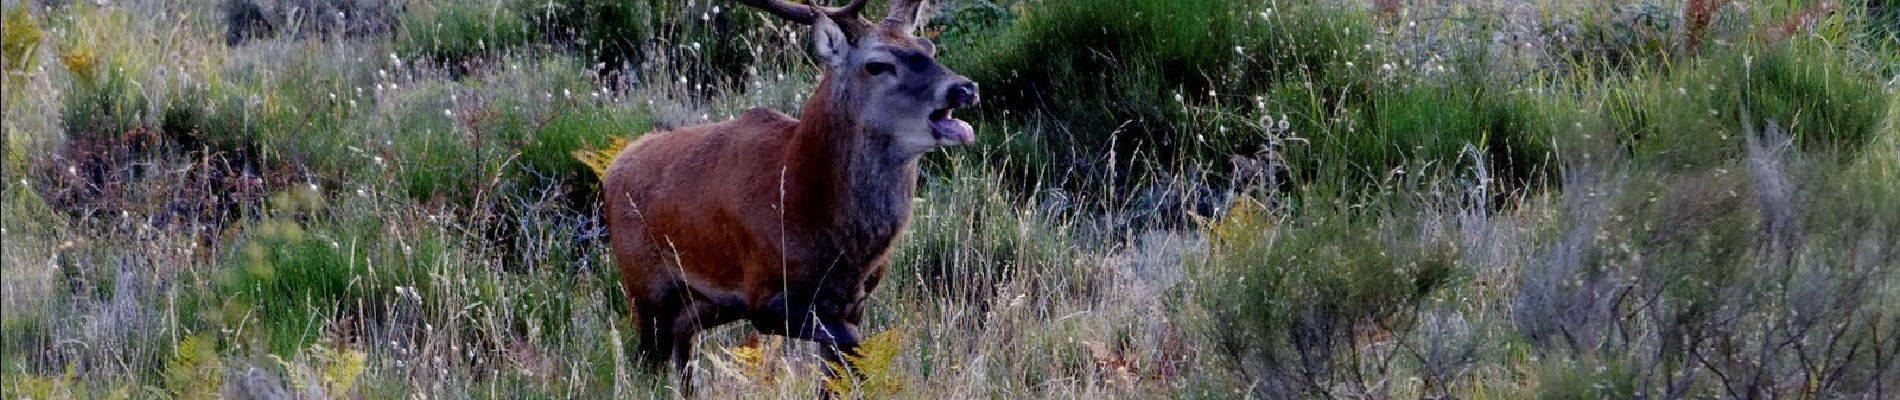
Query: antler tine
column 790, row 12
column 848, row 9
column 805, row 14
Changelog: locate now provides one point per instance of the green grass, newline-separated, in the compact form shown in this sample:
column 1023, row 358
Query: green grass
column 1200, row 199
column 547, row 151
column 455, row 33
column 1692, row 117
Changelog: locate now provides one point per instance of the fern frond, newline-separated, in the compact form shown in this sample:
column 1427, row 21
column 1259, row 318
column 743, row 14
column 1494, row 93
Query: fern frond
column 600, row 159
column 875, row 366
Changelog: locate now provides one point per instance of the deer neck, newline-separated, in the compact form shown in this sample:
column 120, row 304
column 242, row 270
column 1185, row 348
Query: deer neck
column 840, row 174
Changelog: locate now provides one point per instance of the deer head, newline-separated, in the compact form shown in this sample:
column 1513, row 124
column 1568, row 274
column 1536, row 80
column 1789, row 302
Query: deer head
column 883, row 76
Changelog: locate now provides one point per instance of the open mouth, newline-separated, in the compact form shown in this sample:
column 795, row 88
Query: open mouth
column 949, row 130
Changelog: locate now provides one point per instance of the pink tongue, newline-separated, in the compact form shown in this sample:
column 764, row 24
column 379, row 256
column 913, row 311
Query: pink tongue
column 954, row 129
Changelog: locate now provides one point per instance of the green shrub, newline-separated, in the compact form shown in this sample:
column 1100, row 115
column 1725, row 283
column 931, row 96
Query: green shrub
column 1101, row 69
column 1563, row 379
column 1428, row 128
column 287, row 278
column 547, row 151
column 440, row 160
column 1162, row 85
column 103, row 110
column 316, row 114
column 1289, row 291
column 292, row 278
column 1692, row 117
column 220, row 123
column 710, row 43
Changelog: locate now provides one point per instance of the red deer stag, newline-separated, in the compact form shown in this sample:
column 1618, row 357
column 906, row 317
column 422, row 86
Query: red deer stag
column 787, row 223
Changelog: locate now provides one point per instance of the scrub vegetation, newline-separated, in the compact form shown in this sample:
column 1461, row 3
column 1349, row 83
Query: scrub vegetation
column 1167, row 198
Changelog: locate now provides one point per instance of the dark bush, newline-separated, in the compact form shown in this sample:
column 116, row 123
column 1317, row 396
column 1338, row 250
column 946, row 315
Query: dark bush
column 255, row 19
column 711, row 43
column 1153, row 85
column 612, row 32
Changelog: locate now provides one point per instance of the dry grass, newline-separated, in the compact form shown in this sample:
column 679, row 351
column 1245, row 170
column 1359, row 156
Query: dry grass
column 390, row 224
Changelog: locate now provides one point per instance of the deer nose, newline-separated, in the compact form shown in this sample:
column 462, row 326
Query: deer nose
column 961, row 94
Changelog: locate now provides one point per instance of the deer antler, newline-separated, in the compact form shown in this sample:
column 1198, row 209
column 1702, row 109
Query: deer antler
column 806, row 14
column 905, row 14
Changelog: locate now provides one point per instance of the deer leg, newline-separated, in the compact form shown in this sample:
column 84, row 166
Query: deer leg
column 654, row 320
column 693, row 317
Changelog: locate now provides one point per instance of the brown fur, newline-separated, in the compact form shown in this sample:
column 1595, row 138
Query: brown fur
column 715, row 223
column 786, row 223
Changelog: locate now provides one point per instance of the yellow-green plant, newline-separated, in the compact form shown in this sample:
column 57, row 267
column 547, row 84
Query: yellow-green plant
column 22, row 38
column 875, row 368
column 341, row 367
column 598, row 160
column 40, row 387
column 194, row 371
column 83, row 64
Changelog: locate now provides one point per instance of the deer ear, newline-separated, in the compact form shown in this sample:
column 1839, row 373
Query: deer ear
column 919, row 15
column 829, row 41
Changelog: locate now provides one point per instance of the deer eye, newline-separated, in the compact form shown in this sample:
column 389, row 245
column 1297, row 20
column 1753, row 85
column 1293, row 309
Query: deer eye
column 878, row 68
